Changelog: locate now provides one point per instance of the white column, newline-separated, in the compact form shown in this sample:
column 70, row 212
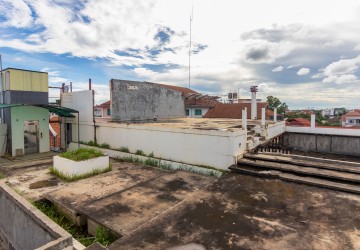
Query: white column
column 263, row 117
column 275, row 114
column 312, row 123
column 244, row 119
column 253, row 106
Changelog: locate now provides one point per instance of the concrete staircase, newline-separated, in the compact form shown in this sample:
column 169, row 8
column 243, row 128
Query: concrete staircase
column 253, row 138
column 333, row 174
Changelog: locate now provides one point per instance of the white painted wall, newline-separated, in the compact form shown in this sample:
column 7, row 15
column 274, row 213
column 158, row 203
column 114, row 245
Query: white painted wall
column 218, row 149
column 70, row 167
column 81, row 101
column 325, row 131
column 275, row 129
column 3, row 129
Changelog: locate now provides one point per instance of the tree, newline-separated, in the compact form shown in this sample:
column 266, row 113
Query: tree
column 274, row 102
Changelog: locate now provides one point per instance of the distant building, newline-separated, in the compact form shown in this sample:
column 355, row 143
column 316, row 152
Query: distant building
column 103, row 110
column 327, row 112
column 196, row 104
column 27, row 125
column 351, row 119
column 233, row 110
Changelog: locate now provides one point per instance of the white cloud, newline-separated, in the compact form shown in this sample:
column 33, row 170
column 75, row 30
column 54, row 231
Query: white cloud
column 343, row 66
column 123, row 33
column 341, row 79
column 342, row 71
column 16, row 14
column 303, row 71
column 278, row 69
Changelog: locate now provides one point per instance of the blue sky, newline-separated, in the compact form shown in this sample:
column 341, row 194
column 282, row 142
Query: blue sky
column 306, row 53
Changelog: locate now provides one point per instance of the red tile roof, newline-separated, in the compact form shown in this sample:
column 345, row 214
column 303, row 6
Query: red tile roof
column 233, row 110
column 356, row 112
column 299, row 122
column 177, row 88
column 105, row 105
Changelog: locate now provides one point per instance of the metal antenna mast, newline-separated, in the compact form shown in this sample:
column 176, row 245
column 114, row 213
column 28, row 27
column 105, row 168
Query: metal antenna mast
column 191, row 18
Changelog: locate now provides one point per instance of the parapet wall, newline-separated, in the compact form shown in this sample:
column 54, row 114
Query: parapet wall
column 323, row 143
column 22, row 226
column 219, row 149
column 141, row 101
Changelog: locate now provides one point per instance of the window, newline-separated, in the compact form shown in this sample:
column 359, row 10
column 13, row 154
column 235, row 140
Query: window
column 187, row 112
column 108, row 112
column 198, row 112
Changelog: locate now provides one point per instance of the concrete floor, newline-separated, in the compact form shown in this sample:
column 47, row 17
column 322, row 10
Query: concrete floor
column 245, row 212
column 158, row 209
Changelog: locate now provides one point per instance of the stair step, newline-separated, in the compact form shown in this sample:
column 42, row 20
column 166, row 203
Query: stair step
column 298, row 179
column 308, row 171
column 305, row 162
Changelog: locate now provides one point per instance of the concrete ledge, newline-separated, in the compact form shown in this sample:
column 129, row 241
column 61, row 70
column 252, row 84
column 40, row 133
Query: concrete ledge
column 22, row 226
column 174, row 164
column 70, row 167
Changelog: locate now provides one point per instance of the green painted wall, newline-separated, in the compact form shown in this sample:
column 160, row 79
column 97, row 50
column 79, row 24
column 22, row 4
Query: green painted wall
column 27, row 113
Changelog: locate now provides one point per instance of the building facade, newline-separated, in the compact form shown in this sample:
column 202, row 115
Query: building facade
column 27, row 126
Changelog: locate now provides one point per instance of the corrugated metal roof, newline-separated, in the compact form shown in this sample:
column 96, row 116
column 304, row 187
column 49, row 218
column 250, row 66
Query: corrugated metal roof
column 60, row 111
column 9, row 105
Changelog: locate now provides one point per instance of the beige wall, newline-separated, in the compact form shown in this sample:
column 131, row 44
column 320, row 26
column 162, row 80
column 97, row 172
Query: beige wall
column 22, row 80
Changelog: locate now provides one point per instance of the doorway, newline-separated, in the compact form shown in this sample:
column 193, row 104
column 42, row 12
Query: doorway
column 31, row 137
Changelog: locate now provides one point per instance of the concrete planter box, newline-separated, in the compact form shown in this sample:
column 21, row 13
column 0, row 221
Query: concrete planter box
column 70, row 167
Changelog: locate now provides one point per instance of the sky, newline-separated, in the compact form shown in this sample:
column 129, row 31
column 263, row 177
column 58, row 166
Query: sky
column 307, row 53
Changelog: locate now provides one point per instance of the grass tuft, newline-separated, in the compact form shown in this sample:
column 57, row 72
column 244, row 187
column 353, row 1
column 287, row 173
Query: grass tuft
column 2, row 176
column 124, row 149
column 152, row 162
column 91, row 143
column 70, row 178
column 151, row 154
column 131, row 159
column 81, row 154
column 103, row 236
column 139, row 152
column 104, row 145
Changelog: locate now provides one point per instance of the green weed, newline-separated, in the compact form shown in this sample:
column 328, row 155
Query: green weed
column 151, row 154
column 124, row 149
column 70, row 178
column 139, row 152
column 80, row 233
column 152, row 162
column 82, row 154
column 2, row 176
column 104, row 145
column 104, row 236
